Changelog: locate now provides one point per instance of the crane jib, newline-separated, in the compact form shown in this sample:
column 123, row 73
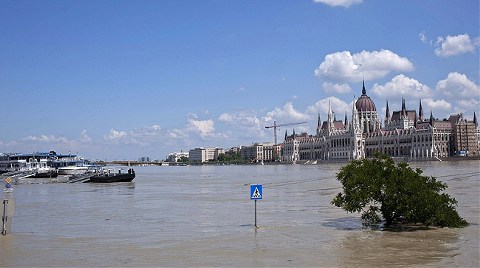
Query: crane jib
column 282, row 125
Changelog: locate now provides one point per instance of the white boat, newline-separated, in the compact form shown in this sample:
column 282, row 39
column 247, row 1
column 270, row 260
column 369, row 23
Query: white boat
column 44, row 164
column 39, row 169
column 71, row 170
column 70, row 164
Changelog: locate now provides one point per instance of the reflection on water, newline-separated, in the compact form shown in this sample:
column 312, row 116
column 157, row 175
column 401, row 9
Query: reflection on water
column 377, row 248
column 202, row 216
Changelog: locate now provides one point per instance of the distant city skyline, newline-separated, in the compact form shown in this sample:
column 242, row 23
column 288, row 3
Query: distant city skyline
column 115, row 80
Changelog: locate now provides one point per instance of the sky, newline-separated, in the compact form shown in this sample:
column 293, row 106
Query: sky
column 120, row 80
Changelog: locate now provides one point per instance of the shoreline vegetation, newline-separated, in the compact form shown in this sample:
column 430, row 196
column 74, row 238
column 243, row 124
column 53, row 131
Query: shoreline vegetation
column 395, row 194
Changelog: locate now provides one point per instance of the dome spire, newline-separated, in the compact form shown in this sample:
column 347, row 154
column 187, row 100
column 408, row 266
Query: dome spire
column 364, row 92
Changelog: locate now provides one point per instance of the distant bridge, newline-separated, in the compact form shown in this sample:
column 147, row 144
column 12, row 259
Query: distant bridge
column 139, row 163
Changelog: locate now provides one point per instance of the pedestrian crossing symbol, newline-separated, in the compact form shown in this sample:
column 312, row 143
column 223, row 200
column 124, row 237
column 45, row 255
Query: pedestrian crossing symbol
column 256, row 191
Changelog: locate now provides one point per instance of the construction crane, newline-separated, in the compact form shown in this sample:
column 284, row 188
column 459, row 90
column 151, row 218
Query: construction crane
column 281, row 125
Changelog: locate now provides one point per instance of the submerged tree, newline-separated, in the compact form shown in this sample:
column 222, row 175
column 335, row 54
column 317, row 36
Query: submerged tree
column 381, row 189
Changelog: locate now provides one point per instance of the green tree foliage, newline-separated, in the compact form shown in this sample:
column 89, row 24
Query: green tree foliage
column 380, row 189
column 183, row 159
column 230, row 158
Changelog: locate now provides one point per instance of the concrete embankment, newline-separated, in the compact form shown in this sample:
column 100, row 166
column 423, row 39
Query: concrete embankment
column 23, row 178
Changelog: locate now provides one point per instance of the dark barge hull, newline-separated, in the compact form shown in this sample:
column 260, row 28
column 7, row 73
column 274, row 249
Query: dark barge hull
column 126, row 177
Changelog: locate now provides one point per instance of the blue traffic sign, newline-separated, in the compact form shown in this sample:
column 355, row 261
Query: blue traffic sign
column 256, row 192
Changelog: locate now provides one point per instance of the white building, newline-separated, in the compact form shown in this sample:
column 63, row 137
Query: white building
column 260, row 152
column 176, row 156
column 202, row 154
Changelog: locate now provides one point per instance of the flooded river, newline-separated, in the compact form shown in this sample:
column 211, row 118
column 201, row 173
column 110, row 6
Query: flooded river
column 203, row 216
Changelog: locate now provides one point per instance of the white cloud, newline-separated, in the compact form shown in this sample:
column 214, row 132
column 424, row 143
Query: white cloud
column 343, row 66
column 115, row 135
column 45, row 142
column 246, row 119
column 47, row 139
column 458, row 85
column 339, row 3
column 402, row 86
column 467, row 106
column 423, row 37
column 227, row 118
column 436, row 106
column 286, row 113
column 454, row 45
column 119, row 137
column 336, row 88
column 141, row 136
column 84, row 138
column 243, row 124
column 153, row 131
column 176, row 134
column 203, row 128
column 338, row 106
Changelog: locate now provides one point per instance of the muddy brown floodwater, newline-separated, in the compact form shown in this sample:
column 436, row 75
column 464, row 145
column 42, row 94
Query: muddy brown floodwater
column 202, row 216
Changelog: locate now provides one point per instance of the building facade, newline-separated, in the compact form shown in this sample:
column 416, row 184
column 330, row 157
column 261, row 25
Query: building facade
column 260, row 152
column 406, row 134
column 176, row 156
column 202, row 154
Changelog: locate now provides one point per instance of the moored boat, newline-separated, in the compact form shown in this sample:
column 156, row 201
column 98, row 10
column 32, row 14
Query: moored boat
column 66, row 164
column 71, row 170
column 108, row 177
column 44, row 173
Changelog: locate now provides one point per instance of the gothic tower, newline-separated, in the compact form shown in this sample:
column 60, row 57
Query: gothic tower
column 420, row 112
column 387, row 116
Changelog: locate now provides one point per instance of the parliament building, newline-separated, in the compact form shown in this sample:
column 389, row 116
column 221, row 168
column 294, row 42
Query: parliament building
column 405, row 134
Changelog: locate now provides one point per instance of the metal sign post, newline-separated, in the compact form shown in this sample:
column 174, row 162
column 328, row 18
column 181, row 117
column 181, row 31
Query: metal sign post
column 4, row 217
column 8, row 207
column 256, row 193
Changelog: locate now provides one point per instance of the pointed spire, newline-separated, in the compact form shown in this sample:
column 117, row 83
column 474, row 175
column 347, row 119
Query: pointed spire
column 329, row 118
column 431, row 119
column 475, row 119
column 404, row 109
column 364, row 91
column 319, row 121
column 420, row 112
column 355, row 123
column 346, row 121
column 330, row 114
column 387, row 113
column 286, row 135
column 293, row 133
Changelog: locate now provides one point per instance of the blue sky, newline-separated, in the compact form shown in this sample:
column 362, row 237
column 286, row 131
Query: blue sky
column 125, row 79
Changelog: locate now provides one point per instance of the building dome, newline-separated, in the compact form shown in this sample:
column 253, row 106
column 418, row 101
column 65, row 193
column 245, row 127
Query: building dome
column 364, row 103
